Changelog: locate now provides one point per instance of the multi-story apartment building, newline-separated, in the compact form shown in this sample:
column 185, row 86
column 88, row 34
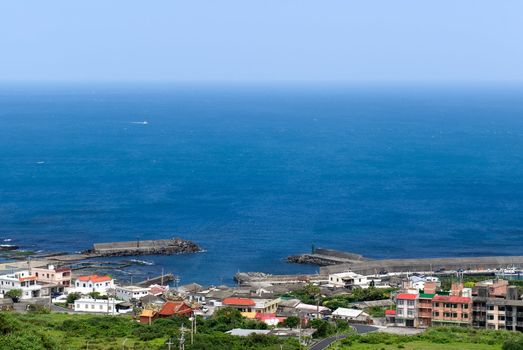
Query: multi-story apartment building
column 22, row 280
column 407, row 310
column 451, row 310
column 425, row 303
column 59, row 277
column 497, row 306
column 490, row 304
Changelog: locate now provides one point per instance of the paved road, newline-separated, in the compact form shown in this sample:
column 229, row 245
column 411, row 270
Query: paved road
column 324, row 343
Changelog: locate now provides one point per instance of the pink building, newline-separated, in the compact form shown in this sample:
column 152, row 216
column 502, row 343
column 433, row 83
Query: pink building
column 60, row 277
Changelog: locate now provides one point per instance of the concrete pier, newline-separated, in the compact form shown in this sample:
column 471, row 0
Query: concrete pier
column 146, row 247
column 424, row 265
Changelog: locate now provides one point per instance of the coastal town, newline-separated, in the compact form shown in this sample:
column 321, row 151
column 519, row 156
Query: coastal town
column 285, row 306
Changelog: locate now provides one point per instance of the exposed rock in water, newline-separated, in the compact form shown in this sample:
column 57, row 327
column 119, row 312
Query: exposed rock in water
column 310, row 259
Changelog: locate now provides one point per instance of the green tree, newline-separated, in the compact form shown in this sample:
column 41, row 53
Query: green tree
column 14, row 294
column 291, row 321
column 71, row 297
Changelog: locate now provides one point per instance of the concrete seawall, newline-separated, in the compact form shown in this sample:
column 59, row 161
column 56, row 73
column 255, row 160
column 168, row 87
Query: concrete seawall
column 432, row 264
column 146, row 247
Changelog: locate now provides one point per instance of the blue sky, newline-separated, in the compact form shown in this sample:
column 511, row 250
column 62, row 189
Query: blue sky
column 261, row 40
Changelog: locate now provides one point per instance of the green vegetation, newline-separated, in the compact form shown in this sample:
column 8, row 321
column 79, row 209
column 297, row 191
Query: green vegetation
column 437, row 338
column 291, row 322
column 14, row 294
column 358, row 294
column 310, row 294
column 376, row 311
column 97, row 295
column 42, row 330
column 71, row 297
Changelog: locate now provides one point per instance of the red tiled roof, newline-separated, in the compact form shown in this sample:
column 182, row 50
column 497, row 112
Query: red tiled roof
column 156, row 291
column 28, row 278
column 63, row 269
column 175, row 308
column 263, row 316
column 94, row 278
column 390, row 312
column 451, row 299
column 239, row 301
column 406, row 296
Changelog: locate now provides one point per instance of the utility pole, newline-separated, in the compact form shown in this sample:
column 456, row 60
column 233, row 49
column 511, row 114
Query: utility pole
column 182, row 338
column 299, row 333
column 192, row 329
column 169, row 343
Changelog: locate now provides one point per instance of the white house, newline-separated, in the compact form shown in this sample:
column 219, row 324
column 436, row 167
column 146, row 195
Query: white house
column 131, row 292
column 93, row 283
column 418, row 282
column 350, row 314
column 20, row 280
column 348, row 279
column 105, row 306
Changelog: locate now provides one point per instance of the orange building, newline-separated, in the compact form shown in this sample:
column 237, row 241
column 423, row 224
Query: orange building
column 451, row 310
column 175, row 308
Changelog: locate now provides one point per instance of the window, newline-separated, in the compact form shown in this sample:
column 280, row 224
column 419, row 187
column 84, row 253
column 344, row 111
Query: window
column 447, row 314
column 400, row 302
column 399, row 312
column 501, row 318
column 410, row 313
column 454, row 315
column 92, row 306
column 101, row 307
column 491, row 307
column 410, row 302
column 435, row 314
column 501, row 308
column 465, row 316
column 465, row 306
column 490, row 317
column 436, row 304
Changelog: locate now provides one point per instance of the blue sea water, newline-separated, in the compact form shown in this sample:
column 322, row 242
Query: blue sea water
column 256, row 173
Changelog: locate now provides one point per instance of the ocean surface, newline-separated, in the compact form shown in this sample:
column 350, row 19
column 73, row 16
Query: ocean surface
column 256, row 173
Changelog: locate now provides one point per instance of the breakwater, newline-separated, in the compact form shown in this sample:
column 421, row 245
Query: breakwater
column 145, row 247
column 326, row 257
column 371, row 267
column 332, row 261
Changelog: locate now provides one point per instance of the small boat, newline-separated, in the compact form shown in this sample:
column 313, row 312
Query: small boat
column 141, row 262
column 145, row 122
column 509, row 271
column 8, row 247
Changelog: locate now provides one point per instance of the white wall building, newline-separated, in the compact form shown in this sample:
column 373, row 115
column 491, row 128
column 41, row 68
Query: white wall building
column 97, row 305
column 93, row 283
column 131, row 292
column 348, row 279
column 350, row 314
column 20, row 280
